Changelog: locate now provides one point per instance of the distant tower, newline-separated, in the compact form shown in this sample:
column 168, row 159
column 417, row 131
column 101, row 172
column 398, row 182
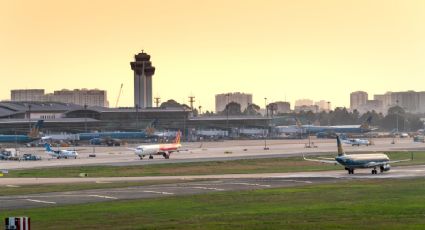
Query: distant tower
column 191, row 101
column 143, row 71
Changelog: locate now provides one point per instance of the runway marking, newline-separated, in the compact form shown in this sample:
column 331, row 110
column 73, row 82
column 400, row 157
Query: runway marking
column 106, row 197
column 206, row 188
column 156, row 192
column 299, row 181
column 12, row 186
column 103, row 182
column 41, row 201
column 249, row 184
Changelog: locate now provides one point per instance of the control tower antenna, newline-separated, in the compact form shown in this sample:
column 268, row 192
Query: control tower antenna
column 157, row 101
column 191, row 100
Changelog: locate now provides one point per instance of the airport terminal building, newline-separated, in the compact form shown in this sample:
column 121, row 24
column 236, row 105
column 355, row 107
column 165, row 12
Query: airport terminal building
column 17, row 117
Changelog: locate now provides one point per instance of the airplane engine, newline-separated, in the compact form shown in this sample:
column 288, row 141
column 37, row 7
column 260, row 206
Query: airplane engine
column 385, row 168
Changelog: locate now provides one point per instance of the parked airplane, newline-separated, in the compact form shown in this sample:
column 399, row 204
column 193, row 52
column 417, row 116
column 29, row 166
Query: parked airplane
column 356, row 142
column 159, row 149
column 353, row 161
column 316, row 129
column 62, row 153
column 34, row 134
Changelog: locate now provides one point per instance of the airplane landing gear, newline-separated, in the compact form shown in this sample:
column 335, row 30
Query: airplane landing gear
column 150, row 157
column 374, row 171
column 166, row 156
column 141, row 157
column 350, row 171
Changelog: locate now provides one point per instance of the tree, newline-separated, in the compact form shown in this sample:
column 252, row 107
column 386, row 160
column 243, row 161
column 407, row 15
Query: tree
column 395, row 110
column 252, row 109
column 170, row 104
column 233, row 109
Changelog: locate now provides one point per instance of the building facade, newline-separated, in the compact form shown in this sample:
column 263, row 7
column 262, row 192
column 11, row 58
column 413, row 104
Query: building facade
column 282, row 107
column 143, row 72
column 26, row 94
column 89, row 97
column 410, row 101
column 358, row 98
column 323, row 105
column 303, row 102
column 221, row 100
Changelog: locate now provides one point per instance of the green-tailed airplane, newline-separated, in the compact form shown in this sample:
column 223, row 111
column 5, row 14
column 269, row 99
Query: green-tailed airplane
column 353, row 161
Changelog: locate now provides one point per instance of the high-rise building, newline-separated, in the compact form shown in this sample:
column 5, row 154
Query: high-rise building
column 221, row 100
column 282, row 107
column 143, row 72
column 410, row 101
column 26, row 94
column 358, row 98
column 89, row 97
column 303, row 102
column 323, row 105
column 371, row 105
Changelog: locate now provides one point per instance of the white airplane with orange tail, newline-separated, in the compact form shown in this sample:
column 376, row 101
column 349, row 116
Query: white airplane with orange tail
column 164, row 150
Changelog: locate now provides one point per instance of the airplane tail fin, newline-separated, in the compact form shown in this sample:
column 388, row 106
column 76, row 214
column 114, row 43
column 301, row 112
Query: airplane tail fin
column 366, row 124
column 177, row 140
column 35, row 131
column 340, row 149
column 48, row 148
column 298, row 123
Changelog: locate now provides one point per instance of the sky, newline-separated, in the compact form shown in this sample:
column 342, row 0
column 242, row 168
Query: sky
column 281, row 50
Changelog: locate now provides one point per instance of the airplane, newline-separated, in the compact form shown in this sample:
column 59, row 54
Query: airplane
column 158, row 149
column 34, row 134
column 354, row 161
column 302, row 130
column 60, row 153
column 356, row 142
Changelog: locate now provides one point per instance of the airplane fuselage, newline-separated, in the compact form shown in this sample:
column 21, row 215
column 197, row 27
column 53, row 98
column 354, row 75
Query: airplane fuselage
column 160, row 149
column 363, row 160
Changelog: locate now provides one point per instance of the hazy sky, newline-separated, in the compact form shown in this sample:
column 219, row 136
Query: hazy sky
column 274, row 49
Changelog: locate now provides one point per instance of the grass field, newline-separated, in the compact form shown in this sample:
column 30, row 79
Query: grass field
column 43, row 188
column 267, row 165
column 372, row 204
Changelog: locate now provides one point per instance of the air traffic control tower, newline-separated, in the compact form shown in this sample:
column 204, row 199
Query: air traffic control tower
column 143, row 71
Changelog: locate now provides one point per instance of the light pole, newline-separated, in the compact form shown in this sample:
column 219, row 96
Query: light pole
column 397, row 115
column 137, row 117
column 265, row 128
column 85, row 117
column 227, row 114
column 29, row 118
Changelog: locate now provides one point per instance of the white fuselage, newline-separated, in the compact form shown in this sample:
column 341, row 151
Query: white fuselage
column 161, row 149
column 362, row 160
column 64, row 154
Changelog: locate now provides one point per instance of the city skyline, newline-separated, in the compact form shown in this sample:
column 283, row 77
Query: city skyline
column 281, row 50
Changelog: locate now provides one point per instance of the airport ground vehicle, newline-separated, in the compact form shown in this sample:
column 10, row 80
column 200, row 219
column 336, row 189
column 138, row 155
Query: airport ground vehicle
column 419, row 138
column 30, row 157
column 9, row 154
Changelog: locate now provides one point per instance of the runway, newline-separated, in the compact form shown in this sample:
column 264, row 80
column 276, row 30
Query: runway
column 209, row 151
column 216, row 183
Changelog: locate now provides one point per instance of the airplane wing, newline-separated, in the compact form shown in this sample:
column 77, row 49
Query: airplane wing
column 391, row 162
column 326, row 158
column 321, row 161
column 376, row 164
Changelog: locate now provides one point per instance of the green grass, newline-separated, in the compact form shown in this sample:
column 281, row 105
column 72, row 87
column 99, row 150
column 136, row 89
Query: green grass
column 372, row 204
column 44, row 188
column 267, row 165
